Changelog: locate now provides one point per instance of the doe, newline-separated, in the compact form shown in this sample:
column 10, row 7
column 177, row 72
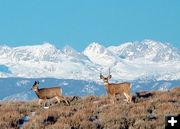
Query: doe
column 48, row 93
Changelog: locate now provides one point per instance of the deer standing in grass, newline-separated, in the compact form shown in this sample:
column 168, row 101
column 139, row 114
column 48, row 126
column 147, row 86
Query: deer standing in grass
column 116, row 88
column 48, row 93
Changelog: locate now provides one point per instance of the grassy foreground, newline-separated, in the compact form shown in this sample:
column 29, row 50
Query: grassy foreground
column 147, row 111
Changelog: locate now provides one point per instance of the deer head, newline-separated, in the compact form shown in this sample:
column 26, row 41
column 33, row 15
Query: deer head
column 105, row 79
column 35, row 86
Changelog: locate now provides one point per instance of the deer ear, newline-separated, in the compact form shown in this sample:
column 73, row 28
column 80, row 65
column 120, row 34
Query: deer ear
column 110, row 76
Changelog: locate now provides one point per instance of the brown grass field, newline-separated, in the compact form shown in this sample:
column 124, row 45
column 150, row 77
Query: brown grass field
column 147, row 111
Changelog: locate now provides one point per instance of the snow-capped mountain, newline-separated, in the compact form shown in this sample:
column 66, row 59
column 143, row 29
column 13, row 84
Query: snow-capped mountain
column 148, row 65
column 148, row 49
column 129, row 61
column 98, row 54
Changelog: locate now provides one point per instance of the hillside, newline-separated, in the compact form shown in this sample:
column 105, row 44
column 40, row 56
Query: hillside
column 146, row 111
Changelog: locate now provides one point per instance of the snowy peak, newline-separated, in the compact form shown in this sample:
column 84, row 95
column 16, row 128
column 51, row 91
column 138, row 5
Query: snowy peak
column 4, row 50
column 41, row 47
column 95, row 48
column 44, row 52
column 68, row 49
column 147, row 49
column 98, row 54
column 36, row 50
column 73, row 54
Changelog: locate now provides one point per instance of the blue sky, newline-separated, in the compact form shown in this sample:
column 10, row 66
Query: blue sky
column 79, row 22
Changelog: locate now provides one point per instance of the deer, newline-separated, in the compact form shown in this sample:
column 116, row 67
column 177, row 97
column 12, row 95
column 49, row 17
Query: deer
column 48, row 93
column 116, row 88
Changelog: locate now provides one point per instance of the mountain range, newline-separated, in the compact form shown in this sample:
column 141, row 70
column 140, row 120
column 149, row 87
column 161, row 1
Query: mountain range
column 148, row 65
column 128, row 61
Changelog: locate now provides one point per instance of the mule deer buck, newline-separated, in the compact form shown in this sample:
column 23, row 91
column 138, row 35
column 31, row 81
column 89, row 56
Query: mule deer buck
column 48, row 93
column 116, row 88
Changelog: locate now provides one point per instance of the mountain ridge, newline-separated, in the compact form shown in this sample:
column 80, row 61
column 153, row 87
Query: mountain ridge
column 128, row 61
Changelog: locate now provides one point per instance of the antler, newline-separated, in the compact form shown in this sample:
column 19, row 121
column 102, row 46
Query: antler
column 101, row 76
column 109, row 76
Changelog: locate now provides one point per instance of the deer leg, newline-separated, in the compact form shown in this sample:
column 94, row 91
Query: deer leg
column 109, row 96
column 127, row 98
column 39, row 101
column 64, row 99
column 61, row 98
column 130, row 98
column 112, row 98
column 58, row 99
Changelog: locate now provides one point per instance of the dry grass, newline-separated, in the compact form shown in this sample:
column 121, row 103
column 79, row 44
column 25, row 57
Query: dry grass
column 146, row 112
